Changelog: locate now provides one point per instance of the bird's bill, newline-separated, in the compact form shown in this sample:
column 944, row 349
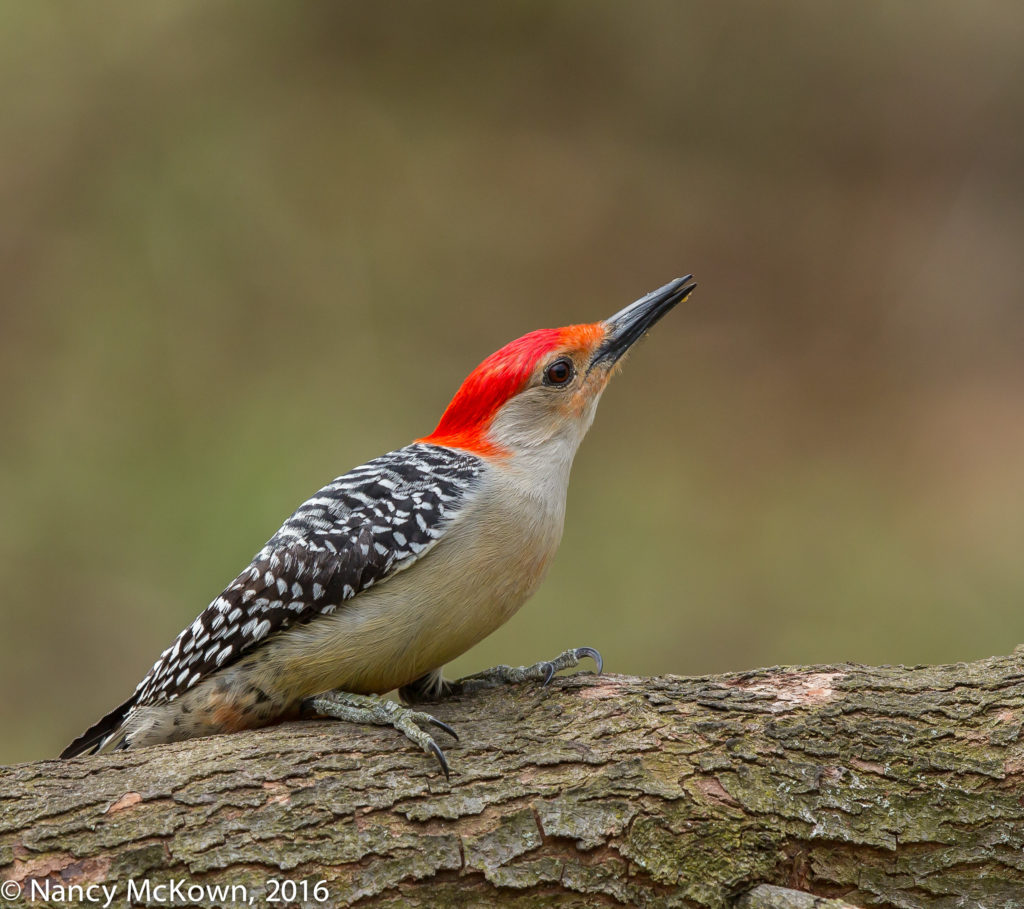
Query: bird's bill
column 624, row 328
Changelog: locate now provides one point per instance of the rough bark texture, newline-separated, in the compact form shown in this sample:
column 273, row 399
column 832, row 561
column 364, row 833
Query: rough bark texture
column 888, row 786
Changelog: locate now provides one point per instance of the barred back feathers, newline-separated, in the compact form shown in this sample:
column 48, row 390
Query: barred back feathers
column 357, row 531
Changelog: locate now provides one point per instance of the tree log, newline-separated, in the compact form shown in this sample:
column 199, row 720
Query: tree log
column 887, row 786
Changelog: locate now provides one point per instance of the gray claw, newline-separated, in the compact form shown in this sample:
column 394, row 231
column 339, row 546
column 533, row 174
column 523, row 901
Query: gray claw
column 436, row 722
column 550, row 675
column 439, row 754
column 582, row 652
column 363, row 708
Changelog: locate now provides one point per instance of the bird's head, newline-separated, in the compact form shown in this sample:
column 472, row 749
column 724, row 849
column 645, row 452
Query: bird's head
column 543, row 388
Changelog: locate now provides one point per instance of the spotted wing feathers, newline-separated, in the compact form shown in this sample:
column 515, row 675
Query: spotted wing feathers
column 355, row 532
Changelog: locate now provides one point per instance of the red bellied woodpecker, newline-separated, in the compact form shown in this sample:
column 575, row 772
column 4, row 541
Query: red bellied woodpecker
column 400, row 565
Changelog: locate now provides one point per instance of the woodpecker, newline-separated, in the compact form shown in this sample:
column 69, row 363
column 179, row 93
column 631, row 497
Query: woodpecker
column 400, row 565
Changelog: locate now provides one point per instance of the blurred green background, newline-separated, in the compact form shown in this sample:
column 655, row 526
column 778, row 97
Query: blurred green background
column 245, row 246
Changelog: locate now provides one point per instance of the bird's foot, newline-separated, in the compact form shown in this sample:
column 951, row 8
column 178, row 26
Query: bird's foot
column 542, row 672
column 364, row 708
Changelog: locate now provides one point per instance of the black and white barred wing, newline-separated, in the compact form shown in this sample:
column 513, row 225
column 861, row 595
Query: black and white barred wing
column 289, row 582
column 357, row 531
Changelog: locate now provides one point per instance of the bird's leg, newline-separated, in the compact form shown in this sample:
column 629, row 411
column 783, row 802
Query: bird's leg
column 364, row 708
column 542, row 672
column 433, row 687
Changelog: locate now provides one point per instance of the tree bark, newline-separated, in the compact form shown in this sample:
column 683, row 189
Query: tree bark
column 887, row 786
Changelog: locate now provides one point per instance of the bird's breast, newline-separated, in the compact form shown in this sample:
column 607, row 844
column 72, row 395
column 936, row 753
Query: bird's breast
column 488, row 562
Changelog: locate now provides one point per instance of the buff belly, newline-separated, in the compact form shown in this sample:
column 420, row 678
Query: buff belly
column 468, row 585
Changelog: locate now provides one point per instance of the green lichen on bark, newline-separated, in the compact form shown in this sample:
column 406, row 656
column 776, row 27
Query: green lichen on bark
column 889, row 787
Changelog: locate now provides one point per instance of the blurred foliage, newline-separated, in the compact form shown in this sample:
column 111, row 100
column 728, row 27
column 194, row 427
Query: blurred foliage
column 246, row 246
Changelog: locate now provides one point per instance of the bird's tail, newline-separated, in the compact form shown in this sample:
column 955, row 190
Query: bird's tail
column 105, row 735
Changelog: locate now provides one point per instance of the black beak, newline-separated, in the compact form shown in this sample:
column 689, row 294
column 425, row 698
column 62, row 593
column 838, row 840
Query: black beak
column 627, row 325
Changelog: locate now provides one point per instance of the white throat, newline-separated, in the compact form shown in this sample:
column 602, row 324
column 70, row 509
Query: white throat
column 541, row 450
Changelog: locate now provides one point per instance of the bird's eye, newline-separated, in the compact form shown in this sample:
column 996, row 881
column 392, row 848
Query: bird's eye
column 560, row 372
